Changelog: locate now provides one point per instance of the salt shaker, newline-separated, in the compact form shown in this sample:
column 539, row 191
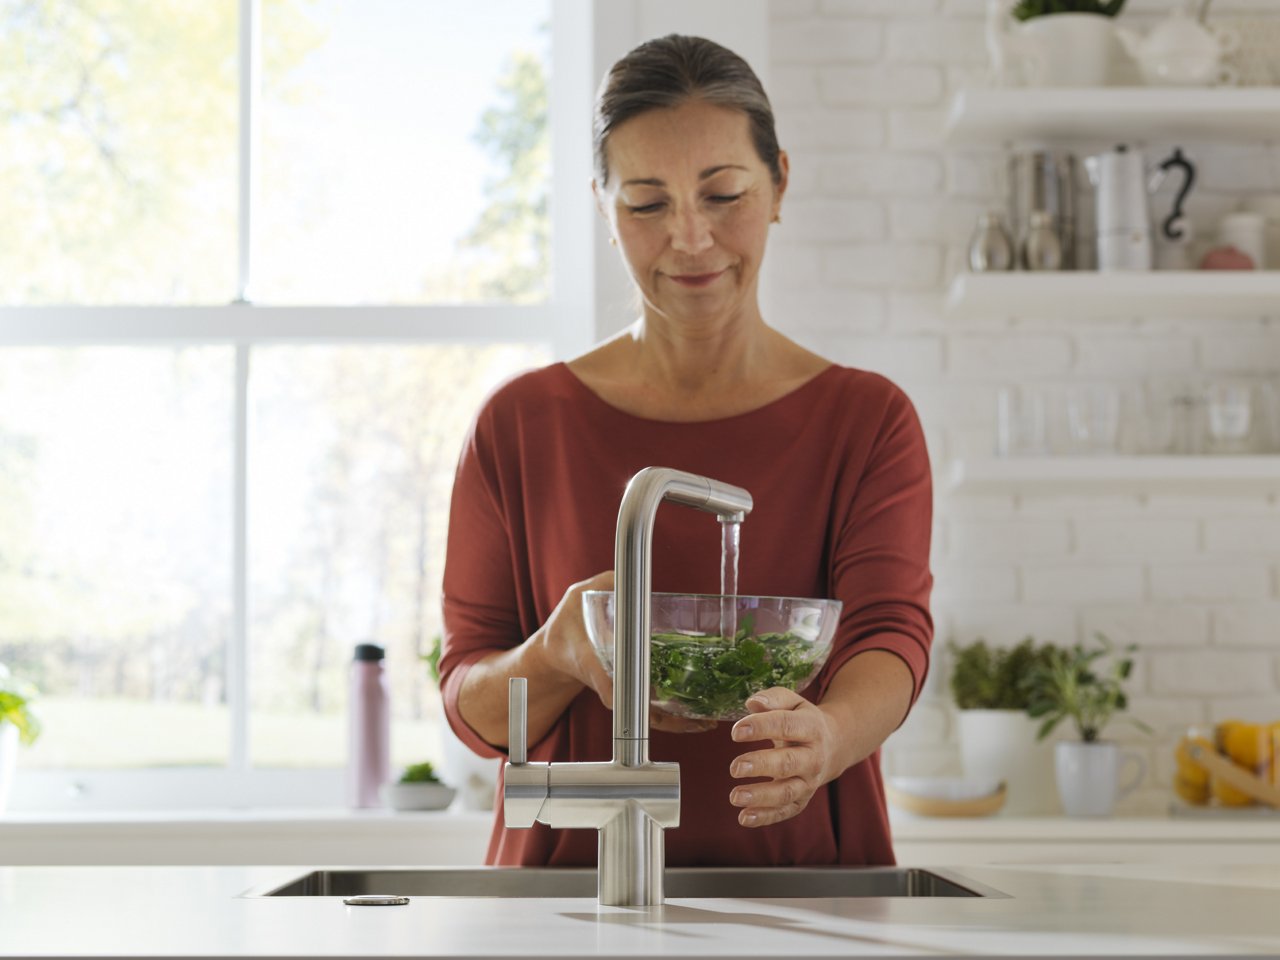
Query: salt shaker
column 369, row 728
column 1041, row 249
column 990, row 247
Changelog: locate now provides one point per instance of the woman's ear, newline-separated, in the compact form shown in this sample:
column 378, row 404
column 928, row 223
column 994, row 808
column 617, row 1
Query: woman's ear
column 780, row 188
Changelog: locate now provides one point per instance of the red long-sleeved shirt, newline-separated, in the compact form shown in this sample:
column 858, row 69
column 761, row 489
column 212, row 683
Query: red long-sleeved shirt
column 840, row 477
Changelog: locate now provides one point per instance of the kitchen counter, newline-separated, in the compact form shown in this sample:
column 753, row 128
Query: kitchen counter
column 301, row 837
column 1073, row 910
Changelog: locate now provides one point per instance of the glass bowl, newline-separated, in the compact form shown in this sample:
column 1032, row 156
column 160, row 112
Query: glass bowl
column 696, row 673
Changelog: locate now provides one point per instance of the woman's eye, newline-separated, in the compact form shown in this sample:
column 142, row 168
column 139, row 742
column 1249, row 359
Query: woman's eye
column 724, row 197
column 646, row 208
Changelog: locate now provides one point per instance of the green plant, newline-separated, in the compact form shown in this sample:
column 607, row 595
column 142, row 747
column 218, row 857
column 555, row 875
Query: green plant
column 1028, row 9
column 432, row 659
column 14, row 700
column 1071, row 686
column 995, row 678
column 419, row 773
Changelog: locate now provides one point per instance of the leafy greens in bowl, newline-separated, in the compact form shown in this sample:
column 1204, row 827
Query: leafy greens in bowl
column 710, row 653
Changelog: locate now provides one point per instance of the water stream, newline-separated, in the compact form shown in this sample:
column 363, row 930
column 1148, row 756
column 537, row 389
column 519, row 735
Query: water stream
column 729, row 534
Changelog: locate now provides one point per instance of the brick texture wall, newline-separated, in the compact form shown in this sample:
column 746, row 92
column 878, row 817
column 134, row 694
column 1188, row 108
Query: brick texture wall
column 874, row 227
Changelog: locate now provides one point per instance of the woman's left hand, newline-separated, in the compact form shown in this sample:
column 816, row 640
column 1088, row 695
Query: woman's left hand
column 804, row 757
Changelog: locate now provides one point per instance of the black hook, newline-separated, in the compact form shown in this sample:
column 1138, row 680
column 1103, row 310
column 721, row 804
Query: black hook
column 1177, row 159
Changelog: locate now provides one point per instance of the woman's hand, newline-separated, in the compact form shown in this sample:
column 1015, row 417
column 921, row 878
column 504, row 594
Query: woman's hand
column 566, row 645
column 804, row 757
column 568, row 648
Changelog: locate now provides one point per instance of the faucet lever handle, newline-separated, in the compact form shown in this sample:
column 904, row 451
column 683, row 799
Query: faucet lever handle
column 518, row 719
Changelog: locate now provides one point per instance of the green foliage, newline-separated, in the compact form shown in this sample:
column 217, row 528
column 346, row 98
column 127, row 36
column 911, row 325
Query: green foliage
column 432, row 659
column 713, row 676
column 14, row 700
column 1070, row 685
column 1027, row 9
column 995, row 678
column 419, row 773
column 516, row 224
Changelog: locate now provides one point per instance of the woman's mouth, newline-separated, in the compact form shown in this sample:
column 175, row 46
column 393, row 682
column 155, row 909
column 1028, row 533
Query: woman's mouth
column 696, row 279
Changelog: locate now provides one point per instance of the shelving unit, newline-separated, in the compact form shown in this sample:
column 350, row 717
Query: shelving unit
column 1115, row 474
column 1193, row 293
column 981, row 117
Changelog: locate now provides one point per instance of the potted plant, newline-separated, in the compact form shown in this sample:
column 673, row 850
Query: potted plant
column 1053, row 43
column 418, row 789
column 1073, row 685
column 997, row 737
column 18, row 726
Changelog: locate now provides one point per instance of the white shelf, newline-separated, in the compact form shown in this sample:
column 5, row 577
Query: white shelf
column 1117, row 474
column 1206, row 294
column 993, row 117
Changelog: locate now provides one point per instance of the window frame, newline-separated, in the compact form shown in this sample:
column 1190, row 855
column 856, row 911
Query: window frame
column 564, row 321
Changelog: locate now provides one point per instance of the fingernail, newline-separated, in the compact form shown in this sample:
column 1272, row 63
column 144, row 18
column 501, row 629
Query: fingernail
column 743, row 768
column 742, row 798
column 761, row 699
column 747, row 819
column 742, row 731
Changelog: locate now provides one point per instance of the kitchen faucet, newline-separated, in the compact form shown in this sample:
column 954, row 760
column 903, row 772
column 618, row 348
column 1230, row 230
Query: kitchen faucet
column 630, row 800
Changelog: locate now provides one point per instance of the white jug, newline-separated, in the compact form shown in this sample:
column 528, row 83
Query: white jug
column 1179, row 52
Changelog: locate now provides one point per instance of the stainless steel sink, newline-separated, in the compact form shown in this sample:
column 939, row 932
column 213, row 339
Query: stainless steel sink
column 759, row 883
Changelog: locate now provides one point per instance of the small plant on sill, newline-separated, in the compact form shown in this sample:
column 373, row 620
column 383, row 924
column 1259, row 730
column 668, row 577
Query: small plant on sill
column 1029, row 9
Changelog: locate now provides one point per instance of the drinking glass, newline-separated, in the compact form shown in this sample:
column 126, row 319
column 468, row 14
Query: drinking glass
column 1020, row 422
column 1093, row 417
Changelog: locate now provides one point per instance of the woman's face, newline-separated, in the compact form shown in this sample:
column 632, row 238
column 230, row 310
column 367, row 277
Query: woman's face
column 690, row 202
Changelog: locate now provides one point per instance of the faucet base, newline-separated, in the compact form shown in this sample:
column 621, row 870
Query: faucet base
column 632, row 860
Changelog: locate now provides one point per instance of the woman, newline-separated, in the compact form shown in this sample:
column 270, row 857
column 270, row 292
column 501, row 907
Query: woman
column 689, row 177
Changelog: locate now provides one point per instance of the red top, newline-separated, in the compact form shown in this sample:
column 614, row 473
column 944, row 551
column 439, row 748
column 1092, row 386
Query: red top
column 843, row 500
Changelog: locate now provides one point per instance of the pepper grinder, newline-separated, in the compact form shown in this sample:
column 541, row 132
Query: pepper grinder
column 369, row 728
column 1041, row 249
column 990, row 248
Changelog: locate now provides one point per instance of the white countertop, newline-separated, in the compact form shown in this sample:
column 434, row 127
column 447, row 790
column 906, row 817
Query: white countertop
column 1075, row 910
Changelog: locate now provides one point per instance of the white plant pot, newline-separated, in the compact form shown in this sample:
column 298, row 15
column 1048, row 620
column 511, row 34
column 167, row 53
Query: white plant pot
column 1088, row 776
column 1002, row 745
column 8, row 759
column 476, row 778
column 1070, row 50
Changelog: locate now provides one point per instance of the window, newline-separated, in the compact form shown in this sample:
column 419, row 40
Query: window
column 273, row 255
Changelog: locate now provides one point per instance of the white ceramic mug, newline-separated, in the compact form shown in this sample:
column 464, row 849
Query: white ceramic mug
column 1088, row 776
column 1246, row 231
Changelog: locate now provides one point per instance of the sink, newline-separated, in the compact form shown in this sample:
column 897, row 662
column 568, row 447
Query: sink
column 724, row 882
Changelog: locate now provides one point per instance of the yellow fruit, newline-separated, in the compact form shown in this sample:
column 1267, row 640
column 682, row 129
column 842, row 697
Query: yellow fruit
column 1227, row 795
column 1195, row 776
column 1248, row 745
column 1221, row 731
column 1194, row 793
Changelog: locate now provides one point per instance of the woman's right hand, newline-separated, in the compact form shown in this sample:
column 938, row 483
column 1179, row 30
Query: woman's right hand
column 565, row 644
column 569, row 649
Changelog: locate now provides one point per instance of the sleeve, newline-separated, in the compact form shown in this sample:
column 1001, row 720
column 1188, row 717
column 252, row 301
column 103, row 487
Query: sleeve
column 880, row 554
column 480, row 610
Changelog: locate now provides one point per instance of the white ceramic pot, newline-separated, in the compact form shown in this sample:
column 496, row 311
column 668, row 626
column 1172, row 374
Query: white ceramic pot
column 1002, row 745
column 417, row 796
column 1088, row 775
column 1069, row 49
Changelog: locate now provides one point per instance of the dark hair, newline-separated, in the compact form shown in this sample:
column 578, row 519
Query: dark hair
column 673, row 70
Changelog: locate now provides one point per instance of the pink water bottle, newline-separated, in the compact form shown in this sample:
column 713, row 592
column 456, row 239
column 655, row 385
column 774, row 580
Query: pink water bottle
column 369, row 729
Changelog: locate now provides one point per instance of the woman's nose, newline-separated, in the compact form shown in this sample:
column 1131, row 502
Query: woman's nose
column 690, row 232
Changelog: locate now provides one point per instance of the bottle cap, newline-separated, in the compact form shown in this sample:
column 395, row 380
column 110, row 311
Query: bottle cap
column 369, row 651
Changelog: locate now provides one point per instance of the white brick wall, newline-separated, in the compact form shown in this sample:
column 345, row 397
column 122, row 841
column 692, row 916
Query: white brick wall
column 874, row 227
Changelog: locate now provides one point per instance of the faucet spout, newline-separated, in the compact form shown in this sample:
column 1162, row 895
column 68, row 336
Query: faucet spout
column 633, row 553
column 629, row 800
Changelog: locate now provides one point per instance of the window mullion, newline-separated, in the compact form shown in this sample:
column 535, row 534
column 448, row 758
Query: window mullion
column 250, row 85
column 238, row 642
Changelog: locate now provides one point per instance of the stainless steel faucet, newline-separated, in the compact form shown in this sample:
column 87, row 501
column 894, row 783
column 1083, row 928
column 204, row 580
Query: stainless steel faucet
column 630, row 799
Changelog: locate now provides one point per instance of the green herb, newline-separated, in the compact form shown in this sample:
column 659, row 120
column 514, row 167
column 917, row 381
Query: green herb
column 1070, row 686
column 14, row 700
column 712, row 676
column 995, row 678
column 1028, row 9
column 419, row 773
